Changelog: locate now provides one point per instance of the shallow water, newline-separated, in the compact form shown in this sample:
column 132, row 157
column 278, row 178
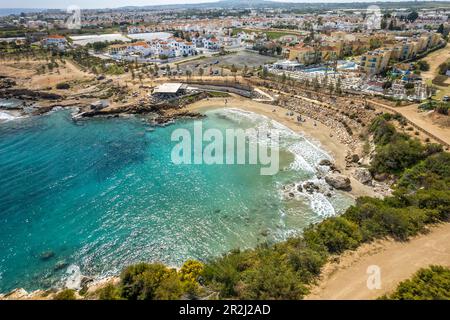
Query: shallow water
column 96, row 196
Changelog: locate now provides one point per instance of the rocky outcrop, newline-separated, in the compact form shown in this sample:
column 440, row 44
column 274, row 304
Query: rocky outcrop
column 310, row 187
column 363, row 175
column 338, row 181
column 354, row 158
column 327, row 163
column 381, row 176
column 6, row 83
column 26, row 94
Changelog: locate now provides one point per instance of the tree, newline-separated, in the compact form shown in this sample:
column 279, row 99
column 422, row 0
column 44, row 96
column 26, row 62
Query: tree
column 391, row 25
column 188, row 74
column 412, row 16
column 339, row 86
column 200, row 72
column 234, row 71
column 423, row 65
column 99, row 46
column 244, row 70
column 443, row 67
column 264, row 73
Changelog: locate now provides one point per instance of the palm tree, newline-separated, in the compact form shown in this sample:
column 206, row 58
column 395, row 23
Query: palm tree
column 234, row 71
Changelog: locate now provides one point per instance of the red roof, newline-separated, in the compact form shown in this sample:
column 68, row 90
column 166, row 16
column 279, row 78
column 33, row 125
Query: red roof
column 55, row 36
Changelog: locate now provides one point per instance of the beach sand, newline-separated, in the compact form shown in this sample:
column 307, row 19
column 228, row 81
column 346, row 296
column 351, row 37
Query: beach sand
column 312, row 130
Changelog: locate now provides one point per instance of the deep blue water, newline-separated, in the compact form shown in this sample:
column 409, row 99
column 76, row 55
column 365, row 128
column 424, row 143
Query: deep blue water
column 103, row 193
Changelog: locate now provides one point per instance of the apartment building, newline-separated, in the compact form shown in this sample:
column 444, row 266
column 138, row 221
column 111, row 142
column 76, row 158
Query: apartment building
column 303, row 54
column 376, row 61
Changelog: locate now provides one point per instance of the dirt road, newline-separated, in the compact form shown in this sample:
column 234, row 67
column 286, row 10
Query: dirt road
column 435, row 59
column 397, row 261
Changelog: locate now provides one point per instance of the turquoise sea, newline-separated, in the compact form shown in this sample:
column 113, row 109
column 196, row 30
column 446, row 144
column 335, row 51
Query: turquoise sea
column 94, row 196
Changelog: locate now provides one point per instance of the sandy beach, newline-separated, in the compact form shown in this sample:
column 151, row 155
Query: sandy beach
column 313, row 130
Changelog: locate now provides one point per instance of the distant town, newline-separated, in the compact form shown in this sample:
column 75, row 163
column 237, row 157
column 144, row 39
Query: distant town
column 364, row 50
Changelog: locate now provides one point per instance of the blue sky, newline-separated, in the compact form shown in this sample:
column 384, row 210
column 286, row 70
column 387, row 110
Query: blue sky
column 116, row 3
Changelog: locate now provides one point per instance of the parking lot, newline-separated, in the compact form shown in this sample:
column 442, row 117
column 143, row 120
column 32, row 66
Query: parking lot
column 214, row 65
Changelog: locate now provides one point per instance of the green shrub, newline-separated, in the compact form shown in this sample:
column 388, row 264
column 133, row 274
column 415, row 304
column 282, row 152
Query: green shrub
column 423, row 65
column 150, row 282
column 396, row 156
column 224, row 273
column 335, row 234
column 63, row 86
column 432, row 283
column 433, row 172
column 272, row 279
column 109, row 292
column 67, row 294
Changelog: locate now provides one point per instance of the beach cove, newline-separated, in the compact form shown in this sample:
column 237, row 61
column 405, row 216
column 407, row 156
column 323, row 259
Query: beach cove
column 116, row 199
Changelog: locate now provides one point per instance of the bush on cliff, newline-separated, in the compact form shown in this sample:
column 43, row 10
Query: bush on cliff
column 63, row 86
column 396, row 152
column 67, row 294
column 335, row 234
column 150, row 282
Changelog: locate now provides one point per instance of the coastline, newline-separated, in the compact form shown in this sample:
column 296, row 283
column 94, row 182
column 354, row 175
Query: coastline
column 312, row 130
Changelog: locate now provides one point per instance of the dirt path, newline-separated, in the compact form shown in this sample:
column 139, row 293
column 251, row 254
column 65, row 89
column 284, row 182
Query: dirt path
column 424, row 121
column 397, row 261
column 421, row 120
column 435, row 59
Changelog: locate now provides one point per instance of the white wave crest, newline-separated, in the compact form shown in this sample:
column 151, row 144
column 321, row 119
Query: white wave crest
column 73, row 280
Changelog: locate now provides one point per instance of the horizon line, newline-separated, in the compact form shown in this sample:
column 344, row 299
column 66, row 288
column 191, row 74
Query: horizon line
column 205, row 2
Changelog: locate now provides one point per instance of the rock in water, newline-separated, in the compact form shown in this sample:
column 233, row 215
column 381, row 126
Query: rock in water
column 310, row 187
column 363, row 175
column 47, row 255
column 338, row 181
column 325, row 162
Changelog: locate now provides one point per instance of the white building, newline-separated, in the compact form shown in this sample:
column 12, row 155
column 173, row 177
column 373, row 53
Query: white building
column 55, row 41
column 211, row 44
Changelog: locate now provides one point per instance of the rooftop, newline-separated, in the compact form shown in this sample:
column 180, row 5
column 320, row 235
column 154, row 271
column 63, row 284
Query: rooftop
column 168, row 88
